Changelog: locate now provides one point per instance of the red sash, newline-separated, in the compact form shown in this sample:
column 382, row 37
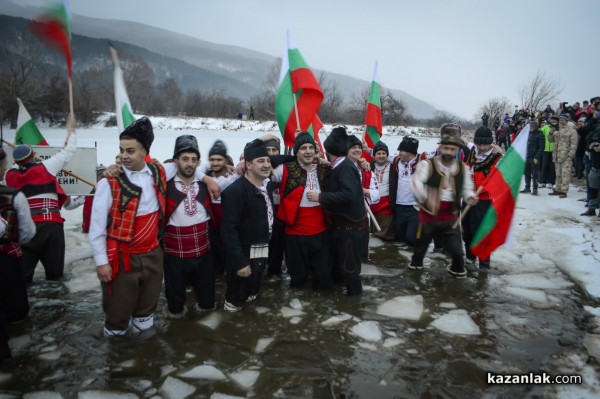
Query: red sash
column 444, row 213
column 383, row 207
column 309, row 221
column 144, row 240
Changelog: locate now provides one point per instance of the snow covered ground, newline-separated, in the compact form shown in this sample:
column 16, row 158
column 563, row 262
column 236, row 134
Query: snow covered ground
column 553, row 250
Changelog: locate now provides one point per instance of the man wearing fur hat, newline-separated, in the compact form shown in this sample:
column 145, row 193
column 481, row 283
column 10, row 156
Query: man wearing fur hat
column 246, row 227
column 188, row 257
column 381, row 208
column 344, row 202
column 306, row 246
column 16, row 228
column 37, row 180
column 126, row 215
column 481, row 162
column 565, row 145
column 277, row 243
column 438, row 185
column 406, row 213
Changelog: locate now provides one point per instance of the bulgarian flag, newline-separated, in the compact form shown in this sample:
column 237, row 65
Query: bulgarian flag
column 55, row 27
column 296, row 79
column 373, row 123
column 27, row 131
column 503, row 186
column 123, row 106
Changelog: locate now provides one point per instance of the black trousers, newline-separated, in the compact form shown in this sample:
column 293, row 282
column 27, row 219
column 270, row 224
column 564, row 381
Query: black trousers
column 308, row 254
column 451, row 239
column 197, row 272
column 216, row 248
column 47, row 246
column 406, row 222
column 276, row 248
column 531, row 171
column 14, row 305
column 346, row 246
column 470, row 224
column 548, row 171
column 240, row 288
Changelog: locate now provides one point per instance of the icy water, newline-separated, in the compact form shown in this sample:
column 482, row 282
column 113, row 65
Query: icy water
column 302, row 343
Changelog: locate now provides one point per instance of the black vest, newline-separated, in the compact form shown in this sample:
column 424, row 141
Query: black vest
column 9, row 213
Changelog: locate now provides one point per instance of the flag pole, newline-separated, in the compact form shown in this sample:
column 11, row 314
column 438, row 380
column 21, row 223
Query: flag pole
column 296, row 111
column 71, row 96
column 75, row 175
column 464, row 211
column 370, row 212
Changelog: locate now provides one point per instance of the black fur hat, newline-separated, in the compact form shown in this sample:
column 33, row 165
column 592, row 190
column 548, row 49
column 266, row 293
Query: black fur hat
column 409, row 144
column 352, row 141
column 140, row 130
column 335, row 143
column 186, row 143
column 255, row 149
column 218, row 148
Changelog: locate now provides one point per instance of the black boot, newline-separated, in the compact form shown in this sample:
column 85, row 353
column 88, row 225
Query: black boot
column 589, row 212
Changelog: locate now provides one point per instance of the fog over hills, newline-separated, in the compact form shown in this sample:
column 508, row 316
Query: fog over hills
column 241, row 72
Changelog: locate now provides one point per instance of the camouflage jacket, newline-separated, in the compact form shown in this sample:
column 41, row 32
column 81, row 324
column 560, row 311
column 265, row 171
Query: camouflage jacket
column 565, row 142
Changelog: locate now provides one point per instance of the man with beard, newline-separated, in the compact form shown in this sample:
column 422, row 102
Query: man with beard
column 126, row 215
column 344, row 202
column 482, row 161
column 220, row 173
column 406, row 214
column 16, row 228
column 307, row 249
column 438, row 185
column 188, row 259
column 246, row 227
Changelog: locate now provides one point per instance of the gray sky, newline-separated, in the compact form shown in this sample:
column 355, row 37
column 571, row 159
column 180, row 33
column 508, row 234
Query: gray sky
column 454, row 54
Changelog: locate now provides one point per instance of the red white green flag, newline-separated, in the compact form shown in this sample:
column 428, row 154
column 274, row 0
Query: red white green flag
column 124, row 111
column 296, row 78
column 503, row 186
column 54, row 26
column 373, row 119
column 27, row 131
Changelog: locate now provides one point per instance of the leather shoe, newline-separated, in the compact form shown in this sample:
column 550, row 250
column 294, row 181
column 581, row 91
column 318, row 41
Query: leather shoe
column 554, row 192
column 589, row 212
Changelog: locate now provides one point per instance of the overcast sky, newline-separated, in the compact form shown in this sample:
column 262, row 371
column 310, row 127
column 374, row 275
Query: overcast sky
column 454, row 54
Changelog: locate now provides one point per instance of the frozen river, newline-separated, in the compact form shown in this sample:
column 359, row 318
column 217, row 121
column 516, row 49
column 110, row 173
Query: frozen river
column 412, row 334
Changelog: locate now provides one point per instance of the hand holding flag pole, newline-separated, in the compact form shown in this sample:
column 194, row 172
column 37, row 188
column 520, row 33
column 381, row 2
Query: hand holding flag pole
column 464, row 211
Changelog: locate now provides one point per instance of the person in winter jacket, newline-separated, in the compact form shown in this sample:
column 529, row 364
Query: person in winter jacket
column 535, row 150
column 565, row 144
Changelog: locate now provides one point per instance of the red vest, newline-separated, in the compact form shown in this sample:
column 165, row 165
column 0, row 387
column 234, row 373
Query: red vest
column 34, row 179
column 126, row 199
column 292, row 189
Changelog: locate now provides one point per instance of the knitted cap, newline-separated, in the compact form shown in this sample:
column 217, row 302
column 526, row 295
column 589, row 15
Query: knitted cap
column 23, row 153
column 273, row 143
column 483, row 135
column 380, row 146
column 301, row 139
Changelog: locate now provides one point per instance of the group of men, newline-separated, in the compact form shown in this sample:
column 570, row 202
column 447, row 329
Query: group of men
column 181, row 222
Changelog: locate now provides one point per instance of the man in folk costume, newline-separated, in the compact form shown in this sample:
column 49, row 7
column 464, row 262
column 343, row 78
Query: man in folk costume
column 126, row 215
column 345, row 205
column 246, row 227
column 37, row 180
column 406, row 213
column 481, row 162
column 188, row 257
column 380, row 169
column 277, row 243
column 16, row 228
column 368, row 182
column 220, row 173
column 307, row 247
column 438, row 185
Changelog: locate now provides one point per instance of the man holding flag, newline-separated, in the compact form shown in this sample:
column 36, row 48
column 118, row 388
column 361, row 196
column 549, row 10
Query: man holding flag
column 439, row 184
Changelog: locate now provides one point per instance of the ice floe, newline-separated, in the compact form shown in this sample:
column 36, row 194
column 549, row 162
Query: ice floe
column 262, row 344
column 402, row 307
column 245, row 378
column 456, row 322
column 204, row 372
column 335, row 320
column 212, row 321
column 97, row 394
column 289, row 312
column 368, row 330
column 174, row 388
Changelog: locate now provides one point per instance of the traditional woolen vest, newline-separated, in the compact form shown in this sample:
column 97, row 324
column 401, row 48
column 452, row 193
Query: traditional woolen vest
column 126, row 199
column 9, row 214
column 481, row 170
column 175, row 196
column 292, row 189
column 34, row 179
column 457, row 180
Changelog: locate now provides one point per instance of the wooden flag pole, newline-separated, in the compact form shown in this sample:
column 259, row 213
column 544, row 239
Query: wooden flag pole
column 464, row 211
column 63, row 170
column 296, row 111
column 370, row 212
column 71, row 97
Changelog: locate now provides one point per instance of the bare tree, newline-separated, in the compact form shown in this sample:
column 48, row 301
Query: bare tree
column 495, row 107
column 332, row 99
column 539, row 91
column 393, row 110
